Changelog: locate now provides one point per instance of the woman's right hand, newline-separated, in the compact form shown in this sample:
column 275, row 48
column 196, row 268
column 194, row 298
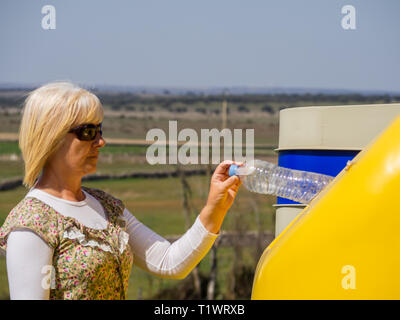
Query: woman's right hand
column 223, row 190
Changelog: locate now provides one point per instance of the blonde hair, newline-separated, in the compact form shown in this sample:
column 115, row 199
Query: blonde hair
column 49, row 113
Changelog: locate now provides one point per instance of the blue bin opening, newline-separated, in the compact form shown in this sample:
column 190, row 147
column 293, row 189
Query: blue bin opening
column 329, row 162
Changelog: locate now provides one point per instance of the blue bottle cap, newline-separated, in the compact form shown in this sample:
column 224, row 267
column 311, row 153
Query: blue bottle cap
column 232, row 170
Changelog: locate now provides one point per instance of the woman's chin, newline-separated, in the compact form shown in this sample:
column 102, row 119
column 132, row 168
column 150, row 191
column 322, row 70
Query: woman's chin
column 91, row 169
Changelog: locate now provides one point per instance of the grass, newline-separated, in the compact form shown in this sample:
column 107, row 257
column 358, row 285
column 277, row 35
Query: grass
column 11, row 169
column 9, row 147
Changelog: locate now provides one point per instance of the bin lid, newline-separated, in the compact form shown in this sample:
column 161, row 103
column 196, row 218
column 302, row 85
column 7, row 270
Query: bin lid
column 347, row 127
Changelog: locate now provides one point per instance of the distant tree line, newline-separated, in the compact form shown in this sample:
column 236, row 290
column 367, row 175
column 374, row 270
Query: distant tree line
column 168, row 100
column 127, row 101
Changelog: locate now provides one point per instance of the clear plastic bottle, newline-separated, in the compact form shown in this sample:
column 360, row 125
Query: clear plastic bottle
column 267, row 178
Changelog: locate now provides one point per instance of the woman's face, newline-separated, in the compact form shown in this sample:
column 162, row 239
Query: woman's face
column 77, row 157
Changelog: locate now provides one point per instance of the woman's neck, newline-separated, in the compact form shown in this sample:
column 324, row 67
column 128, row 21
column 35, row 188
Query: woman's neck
column 61, row 187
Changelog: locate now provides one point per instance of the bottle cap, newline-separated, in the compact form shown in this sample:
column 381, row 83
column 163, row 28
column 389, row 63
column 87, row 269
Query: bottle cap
column 232, row 170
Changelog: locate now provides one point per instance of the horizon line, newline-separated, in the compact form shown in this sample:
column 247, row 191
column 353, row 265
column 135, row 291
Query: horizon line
column 233, row 89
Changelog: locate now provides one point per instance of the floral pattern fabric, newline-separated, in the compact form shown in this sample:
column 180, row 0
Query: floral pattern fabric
column 88, row 263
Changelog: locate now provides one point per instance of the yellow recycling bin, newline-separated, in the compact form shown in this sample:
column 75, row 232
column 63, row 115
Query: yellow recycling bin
column 346, row 243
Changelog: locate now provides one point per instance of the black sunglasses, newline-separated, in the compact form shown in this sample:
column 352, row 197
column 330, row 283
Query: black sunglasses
column 87, row 132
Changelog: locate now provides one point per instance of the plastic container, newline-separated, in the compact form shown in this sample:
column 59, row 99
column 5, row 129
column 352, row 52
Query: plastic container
column 267, row 178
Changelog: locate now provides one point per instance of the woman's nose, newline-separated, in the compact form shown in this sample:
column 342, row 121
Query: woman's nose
column 100, row 142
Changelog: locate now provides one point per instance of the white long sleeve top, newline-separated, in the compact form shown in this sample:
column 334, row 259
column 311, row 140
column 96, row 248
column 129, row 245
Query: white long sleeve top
column 27, row 253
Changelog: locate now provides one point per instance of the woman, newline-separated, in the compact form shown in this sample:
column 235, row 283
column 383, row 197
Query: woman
column 67, row 241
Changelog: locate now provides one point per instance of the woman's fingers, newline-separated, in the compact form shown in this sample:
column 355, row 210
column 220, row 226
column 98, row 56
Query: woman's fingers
column 223, row 167
column 231, row 182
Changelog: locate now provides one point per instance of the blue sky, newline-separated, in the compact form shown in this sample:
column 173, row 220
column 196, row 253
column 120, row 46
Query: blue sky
column 183, row 43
